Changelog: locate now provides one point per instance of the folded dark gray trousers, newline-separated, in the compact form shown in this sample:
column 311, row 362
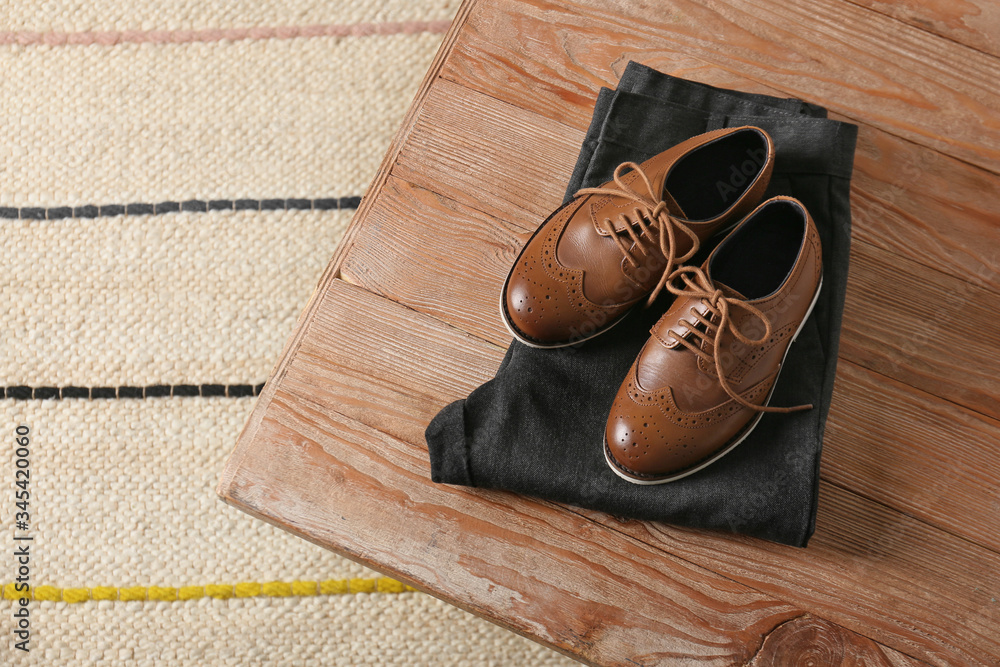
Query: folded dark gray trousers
column 537, row 427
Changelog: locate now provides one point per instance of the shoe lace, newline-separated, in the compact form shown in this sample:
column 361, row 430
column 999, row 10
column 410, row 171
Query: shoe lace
column 650, row 213
column 697, row 285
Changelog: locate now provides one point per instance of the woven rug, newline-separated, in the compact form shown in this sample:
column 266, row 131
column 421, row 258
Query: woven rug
column 174, row 177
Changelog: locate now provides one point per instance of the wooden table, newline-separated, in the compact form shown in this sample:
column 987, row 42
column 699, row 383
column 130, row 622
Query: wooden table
column 904, row 566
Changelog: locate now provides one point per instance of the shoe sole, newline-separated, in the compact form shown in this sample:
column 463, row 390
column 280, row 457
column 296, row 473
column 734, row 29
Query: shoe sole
column 748, row 429
column 519, row 337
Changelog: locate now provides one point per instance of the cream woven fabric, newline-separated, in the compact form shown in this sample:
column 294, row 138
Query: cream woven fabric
column 109, row 103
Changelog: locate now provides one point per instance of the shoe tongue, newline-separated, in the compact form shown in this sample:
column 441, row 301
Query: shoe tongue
column 729, row 291
column 598, row 207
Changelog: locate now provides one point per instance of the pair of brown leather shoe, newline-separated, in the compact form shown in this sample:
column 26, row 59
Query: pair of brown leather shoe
column 705, row 376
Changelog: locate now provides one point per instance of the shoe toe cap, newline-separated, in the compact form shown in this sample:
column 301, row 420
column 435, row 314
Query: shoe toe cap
column 645, row 444
column 540, row 308
column 525, row 303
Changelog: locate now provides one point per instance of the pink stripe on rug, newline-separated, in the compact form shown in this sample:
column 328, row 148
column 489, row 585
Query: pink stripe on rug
column 110, row 38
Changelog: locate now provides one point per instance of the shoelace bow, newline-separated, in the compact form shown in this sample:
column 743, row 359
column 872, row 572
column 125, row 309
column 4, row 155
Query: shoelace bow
column 649, row 208
column 718, row 304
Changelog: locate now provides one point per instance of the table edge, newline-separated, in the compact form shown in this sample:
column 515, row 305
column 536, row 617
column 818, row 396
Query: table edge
column 332, row 271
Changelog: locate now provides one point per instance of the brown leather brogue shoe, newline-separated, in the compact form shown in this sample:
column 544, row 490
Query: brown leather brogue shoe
column 609, row 247
column 704, row 378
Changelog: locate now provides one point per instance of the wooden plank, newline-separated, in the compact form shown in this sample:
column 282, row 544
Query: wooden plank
column 362, row 350
column 926, row 591
column 531, row 567
column 892, row 338
column 927, row 207
column 923, row 327
column 465, row 255
column 884, row 439
column 974, row 23
column 872, row 570
column 435, row 241
column 858, row 63
column 940, row 211
column 913, row 451
column 449, row 132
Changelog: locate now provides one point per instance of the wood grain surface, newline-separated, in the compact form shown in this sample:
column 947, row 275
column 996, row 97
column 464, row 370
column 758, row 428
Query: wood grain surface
column 921, row 203
column 975, row 23
column 917, row 302
column 362, row 489
column 927, row 207
column 904, row 568
column 449, row 139
column 883, row 572
column 462, row 238
column 900, row 320
column 854, row 61
column 807, row 640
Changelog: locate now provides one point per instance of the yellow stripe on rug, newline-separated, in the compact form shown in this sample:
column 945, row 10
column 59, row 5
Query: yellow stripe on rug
column 246, row 589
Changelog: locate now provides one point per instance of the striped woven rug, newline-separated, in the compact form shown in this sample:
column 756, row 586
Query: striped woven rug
column 174, row 177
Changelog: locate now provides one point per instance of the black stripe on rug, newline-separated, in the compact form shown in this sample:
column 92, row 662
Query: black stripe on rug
column 193, row 205
column 25, row 393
